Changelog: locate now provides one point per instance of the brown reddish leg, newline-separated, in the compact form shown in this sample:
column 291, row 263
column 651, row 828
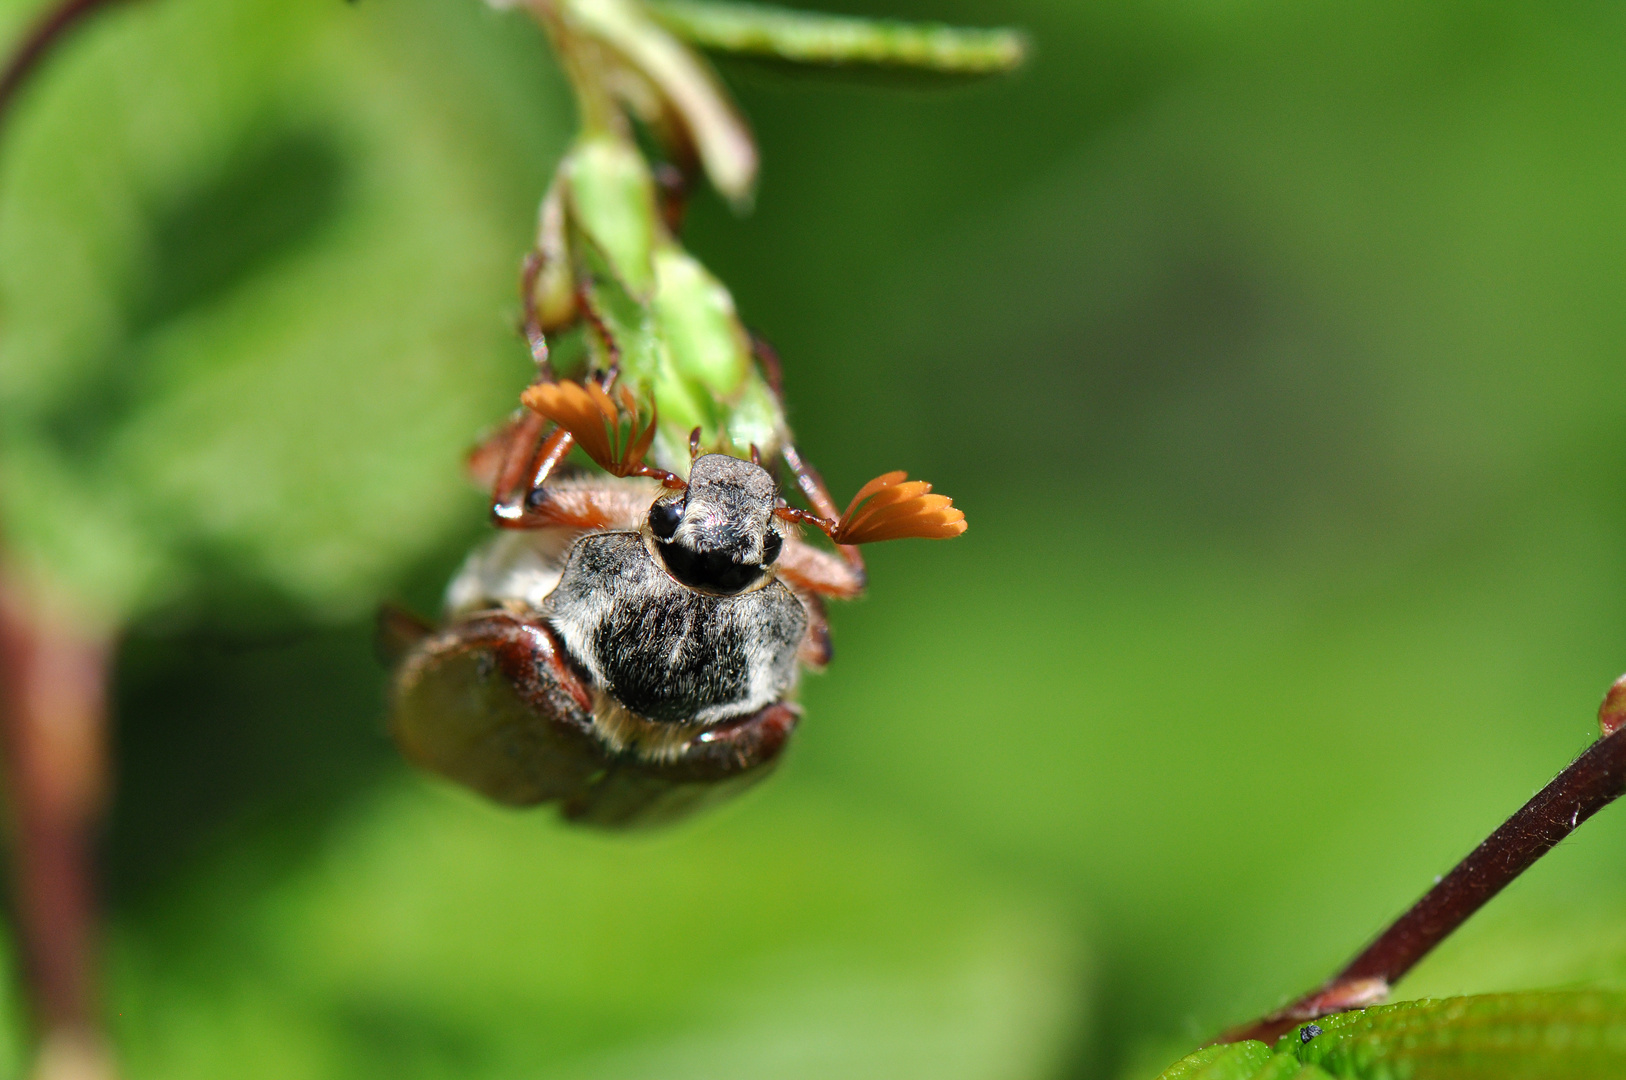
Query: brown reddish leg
column 818, row 496
column 815, row 651
column 672, row 187
column 807, row 477
column 773, row 368
column 501, row 461
column 517, row 491
column 530, row 270
column 514, row 503
column 516, row 447
column 595, row 318
column 816, row 572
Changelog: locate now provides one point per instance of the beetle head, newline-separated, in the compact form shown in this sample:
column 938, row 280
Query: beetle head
column 718, row 535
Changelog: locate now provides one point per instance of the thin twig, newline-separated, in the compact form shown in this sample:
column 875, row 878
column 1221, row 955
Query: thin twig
column 54, row 730
column 1593, row 781
column 53, row 727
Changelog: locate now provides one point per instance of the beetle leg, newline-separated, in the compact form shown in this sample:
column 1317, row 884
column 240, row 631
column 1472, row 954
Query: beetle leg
column 591, row 507
column 519, row 443
column 398, row 631
column 818, row 496
column 811, row 571
column 531, row 320
column 515, row 506
column 495, row 462
column 816, row 651
column 773, row 369
column 673, row 183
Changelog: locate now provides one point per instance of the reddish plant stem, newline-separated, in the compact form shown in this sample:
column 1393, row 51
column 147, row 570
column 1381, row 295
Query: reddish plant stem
column 53, row 730
column 48, row 32
column 53, row 735
column 1592, row 781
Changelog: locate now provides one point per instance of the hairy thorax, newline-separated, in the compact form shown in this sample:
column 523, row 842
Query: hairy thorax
column 666, row 652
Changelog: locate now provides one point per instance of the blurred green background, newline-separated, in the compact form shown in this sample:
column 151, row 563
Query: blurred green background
column 1272, row 349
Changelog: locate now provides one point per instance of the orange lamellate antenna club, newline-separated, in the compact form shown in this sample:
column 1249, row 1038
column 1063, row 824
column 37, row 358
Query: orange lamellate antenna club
column 889, row 507
column 593, row 418
column 893, row 507
column 1612, row 713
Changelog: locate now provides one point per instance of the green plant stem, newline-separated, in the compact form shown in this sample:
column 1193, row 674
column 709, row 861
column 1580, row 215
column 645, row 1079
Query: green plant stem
column 582, row 67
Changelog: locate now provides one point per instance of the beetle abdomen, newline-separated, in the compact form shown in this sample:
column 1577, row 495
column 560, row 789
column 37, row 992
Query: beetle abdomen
column 667, row 653
column 487, row 703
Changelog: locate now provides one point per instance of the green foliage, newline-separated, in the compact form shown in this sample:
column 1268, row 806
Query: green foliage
column 1276, row 351
column 611, row 199
column 812, row 38
column 434, row 935
column 1242, row 1061
column 255, row 259
column 681, row 82
column 1553, row 1036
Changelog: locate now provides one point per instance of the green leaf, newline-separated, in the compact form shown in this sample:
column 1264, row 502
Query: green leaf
column 1251, row 1060
column 430, row 934
column 755, row 417
column 687, row 350
column 808, row 38
column 1238, row 1061
column 612, row 200
column 1555, row 1035
column 697, row 319
column 254, row 260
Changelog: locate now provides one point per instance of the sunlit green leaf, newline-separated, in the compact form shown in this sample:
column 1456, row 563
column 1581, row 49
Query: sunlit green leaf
column 253, row 265
column 611, row 198
column 432, row 935
column 698, row 321
column 1554, row 1035
column 812, row 38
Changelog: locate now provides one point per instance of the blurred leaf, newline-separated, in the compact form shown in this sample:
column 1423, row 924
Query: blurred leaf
column 1528, row 942
column 432, row 935
column 810, row 38
column 720, row 133
column 254, row 260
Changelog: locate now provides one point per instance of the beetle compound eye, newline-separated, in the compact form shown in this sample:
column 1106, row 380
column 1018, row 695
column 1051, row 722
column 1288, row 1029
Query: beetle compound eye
column 770, row 548
column 712, row 571
column 664, row 518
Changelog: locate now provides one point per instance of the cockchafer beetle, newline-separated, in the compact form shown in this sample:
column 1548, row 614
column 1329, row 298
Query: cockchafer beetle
column 627, row 647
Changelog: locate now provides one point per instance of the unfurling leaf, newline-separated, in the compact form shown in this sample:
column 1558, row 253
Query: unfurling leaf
column 697, row 318
column 611, row 199
column 685, row 80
